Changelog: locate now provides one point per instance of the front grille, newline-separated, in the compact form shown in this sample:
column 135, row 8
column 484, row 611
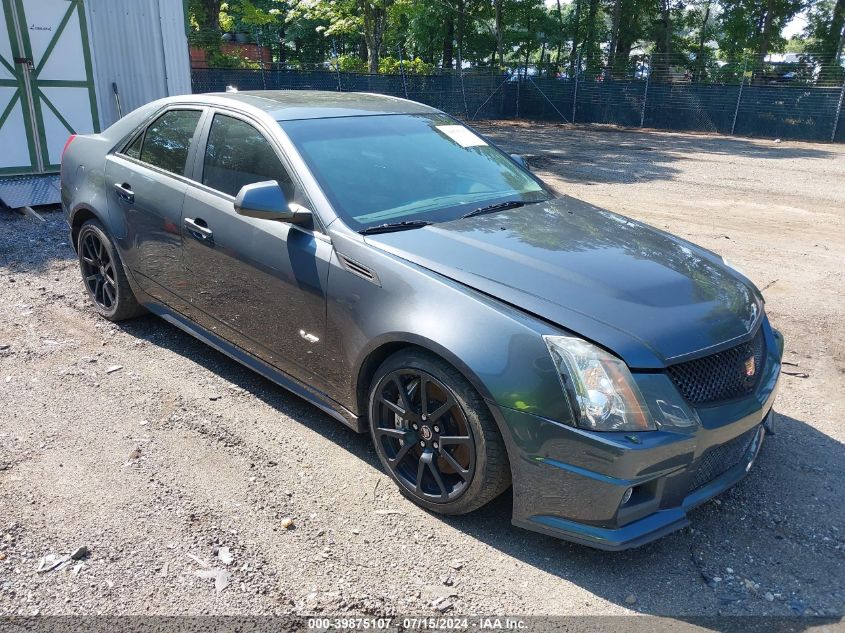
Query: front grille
column 721, row 376
column 718, row 460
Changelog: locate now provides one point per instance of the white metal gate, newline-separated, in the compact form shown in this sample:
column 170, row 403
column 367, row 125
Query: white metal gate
column 46, row 83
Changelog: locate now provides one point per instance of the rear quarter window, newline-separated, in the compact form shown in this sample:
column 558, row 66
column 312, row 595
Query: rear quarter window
column 134, row 150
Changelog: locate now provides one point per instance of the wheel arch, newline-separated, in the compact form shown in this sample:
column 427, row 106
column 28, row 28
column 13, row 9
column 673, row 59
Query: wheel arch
column 79, row 216
column 497, row 442
column 383, row 347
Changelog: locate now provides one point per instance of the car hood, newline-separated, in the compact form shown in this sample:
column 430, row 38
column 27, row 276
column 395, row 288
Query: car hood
column 651, row 298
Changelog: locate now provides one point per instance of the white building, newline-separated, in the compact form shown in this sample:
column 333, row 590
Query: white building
column 73, row 66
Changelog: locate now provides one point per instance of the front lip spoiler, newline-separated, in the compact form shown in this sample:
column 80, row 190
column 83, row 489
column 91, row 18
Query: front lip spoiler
column 644, row 531
column 649, row 528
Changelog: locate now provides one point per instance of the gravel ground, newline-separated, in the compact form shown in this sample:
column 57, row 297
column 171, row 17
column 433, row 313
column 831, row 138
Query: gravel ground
column 179, row 456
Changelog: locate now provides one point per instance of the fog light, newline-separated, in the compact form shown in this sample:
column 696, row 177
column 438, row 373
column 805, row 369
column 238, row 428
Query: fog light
column 627, row 496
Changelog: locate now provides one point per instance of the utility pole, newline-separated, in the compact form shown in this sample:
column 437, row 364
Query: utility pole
column 838, row 112
column 402, row 70
column 739, row 96
column 575, row 90
column 257, row 34
column 337, row 65
column 645, row 93
column 461, row 71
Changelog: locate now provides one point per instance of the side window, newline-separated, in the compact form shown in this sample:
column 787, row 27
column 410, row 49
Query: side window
column 168, row 140
column 237, row 154
column 134, row 150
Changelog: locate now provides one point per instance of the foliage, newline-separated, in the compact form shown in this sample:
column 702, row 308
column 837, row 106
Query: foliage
column 217, row 59
column 348, row 64
column 826, row 26
column 392, row 66
column 689, row 40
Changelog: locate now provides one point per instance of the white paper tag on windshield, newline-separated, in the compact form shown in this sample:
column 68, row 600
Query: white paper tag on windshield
column 461, row 135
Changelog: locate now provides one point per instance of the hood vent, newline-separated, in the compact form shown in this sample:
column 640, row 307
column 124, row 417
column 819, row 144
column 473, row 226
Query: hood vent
column 356, row 268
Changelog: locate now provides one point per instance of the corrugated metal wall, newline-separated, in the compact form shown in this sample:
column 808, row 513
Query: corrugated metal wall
column 141, row 46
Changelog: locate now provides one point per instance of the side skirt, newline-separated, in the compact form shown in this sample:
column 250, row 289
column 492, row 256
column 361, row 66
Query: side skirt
column 319, row 400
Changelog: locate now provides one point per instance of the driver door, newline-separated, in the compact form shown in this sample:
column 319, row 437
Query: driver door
column 260, row 284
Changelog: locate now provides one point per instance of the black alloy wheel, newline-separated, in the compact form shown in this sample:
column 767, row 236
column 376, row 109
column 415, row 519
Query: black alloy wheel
column 435, row 435
column 98, row 270
column 103, row 274
column 425, row 435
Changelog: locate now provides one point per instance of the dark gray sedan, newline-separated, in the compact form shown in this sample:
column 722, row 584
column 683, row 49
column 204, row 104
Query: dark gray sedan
column 397, row 270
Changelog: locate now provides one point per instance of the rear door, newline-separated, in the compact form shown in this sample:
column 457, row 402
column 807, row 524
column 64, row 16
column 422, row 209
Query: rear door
column 258, row 283
column 145, row 184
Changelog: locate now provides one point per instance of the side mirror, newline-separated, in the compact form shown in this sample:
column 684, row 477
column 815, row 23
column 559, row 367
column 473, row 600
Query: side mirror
column 266, row 201
column 520, row 160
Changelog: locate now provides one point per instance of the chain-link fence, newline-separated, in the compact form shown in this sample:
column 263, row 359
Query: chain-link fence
column 798, row 100
column 470, row 95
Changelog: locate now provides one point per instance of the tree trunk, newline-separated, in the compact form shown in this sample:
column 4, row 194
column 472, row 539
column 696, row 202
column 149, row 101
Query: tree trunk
column 211, row 14
column 765, row 38
column 589, row 41
column 207, row 14
column 576, row 33
column 375, row 23
column 459, row 35
column 363, row 54
column 499, row 35
column 542, row 59
column 449, row 43
column 560, row 35
column 623, row 53
column 699, row 58
column 831, row 45
column 659, row 68
column 628, row 32
column 527, row 47
column 614, row 36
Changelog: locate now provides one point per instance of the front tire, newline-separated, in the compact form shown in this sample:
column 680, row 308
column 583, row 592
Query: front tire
column 434, row 434
column 103, row 274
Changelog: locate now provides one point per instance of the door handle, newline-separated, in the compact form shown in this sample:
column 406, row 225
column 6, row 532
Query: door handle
column 199, row 229
column 124, row 192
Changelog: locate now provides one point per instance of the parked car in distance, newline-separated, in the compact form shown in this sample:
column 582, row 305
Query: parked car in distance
column 397, row 270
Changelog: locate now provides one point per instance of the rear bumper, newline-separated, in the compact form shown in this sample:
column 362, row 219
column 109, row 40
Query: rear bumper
column 571, row 483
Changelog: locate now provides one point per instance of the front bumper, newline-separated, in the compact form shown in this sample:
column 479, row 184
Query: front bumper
column 570, row 483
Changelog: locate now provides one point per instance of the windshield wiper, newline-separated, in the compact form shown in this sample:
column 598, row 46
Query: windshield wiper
column 394, row 226
column 499, row 206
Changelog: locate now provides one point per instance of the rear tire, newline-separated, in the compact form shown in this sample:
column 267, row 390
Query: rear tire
column 103, row 275
column 438, row 440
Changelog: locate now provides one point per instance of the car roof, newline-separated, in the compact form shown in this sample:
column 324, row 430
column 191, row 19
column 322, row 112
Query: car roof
column 287, row 105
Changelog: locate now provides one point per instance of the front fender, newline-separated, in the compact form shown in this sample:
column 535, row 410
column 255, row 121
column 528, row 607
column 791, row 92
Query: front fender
column 498, row 348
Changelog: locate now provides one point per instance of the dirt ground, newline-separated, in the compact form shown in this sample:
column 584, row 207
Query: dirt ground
column 179, row 453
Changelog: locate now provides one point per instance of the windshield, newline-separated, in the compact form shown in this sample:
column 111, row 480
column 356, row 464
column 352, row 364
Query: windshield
column 394, row 168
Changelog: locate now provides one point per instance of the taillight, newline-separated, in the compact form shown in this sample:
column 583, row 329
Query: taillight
column 67, row 144
column 64, row 149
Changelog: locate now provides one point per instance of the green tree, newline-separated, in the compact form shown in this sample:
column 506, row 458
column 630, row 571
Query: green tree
column 600, row 35
column 826, row 27
column 752, row 28
column 375, row 17
column 204, row 20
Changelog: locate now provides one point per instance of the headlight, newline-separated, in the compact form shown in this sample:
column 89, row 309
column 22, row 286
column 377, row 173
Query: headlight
column 606, row 398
